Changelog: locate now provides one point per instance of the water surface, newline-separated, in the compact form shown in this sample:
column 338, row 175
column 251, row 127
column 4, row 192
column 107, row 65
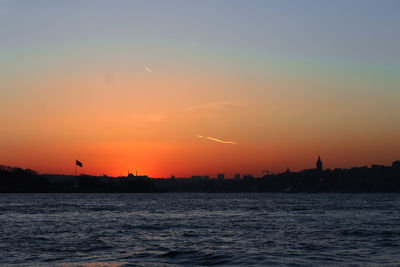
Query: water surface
column 199, row 229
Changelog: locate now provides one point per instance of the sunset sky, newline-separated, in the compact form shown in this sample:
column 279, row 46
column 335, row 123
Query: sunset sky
column 198, row 87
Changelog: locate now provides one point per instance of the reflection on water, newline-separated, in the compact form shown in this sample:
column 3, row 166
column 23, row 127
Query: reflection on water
column 199, row 229
column 95, row 264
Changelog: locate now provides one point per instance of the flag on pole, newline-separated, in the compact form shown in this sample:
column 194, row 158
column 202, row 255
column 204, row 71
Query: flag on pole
column 79, row 163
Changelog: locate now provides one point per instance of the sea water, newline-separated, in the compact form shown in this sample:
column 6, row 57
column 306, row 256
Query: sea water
column 188, row 229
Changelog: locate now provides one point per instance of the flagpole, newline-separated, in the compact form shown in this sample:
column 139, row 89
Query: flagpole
column 75, row 167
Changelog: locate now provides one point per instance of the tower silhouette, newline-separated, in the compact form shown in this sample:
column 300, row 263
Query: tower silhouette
column 319, row 164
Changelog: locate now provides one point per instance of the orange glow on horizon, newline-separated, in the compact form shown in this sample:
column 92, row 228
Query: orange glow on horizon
column 117, row 120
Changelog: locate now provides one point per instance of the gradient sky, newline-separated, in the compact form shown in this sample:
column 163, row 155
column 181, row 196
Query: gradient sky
column 131, row 85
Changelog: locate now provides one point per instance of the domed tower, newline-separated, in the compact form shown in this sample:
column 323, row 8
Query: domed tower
column 319, row 164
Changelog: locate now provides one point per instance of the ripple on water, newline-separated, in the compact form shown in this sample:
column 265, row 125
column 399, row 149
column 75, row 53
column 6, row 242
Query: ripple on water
column 199, row 229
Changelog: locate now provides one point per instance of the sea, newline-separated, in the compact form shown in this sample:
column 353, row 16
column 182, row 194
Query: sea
column 193, row 229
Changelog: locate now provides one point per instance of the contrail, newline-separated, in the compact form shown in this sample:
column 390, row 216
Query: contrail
column 221, row 141
column 148, row 69
column 217, row 140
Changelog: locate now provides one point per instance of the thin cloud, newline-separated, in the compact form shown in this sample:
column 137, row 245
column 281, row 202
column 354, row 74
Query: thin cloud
column 152, row 117
column 217, row 105
column 148, row 69
column 217, row 140
column 221, row 141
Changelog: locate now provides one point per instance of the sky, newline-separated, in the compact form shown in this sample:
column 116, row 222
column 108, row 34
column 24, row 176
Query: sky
column 198, row 87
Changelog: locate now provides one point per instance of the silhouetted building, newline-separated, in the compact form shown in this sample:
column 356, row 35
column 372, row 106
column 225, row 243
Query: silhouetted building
column 132, row 177
column 319, row 164
column 396, row 164
column 237, row 176
column 196, row 177
column 377, row 167
column 206, row 177
column 220, row 176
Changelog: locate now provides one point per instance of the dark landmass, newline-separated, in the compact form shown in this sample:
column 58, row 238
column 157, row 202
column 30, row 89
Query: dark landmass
column 377, row 178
